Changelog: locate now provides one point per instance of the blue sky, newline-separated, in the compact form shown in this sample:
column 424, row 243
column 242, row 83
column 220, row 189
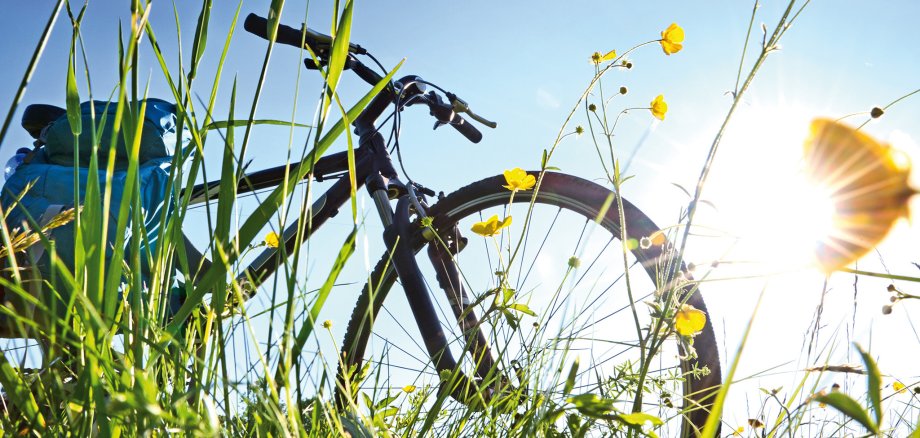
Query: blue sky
column 523, row 64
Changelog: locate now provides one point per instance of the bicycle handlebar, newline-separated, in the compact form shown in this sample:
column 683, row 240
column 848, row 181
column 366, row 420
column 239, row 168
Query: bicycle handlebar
column 320, row 44
column 445, row 114
column 466, row 128
column 313, row 40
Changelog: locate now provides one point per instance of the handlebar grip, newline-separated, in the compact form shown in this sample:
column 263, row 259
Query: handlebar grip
column 258, row 26
column 467, row 129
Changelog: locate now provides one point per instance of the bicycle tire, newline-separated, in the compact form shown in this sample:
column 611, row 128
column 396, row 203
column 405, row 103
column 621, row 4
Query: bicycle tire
column 567, row 193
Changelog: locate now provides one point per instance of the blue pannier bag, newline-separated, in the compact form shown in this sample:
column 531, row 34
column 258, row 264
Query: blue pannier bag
column 44, row 186
column 158, row 136
column 52, row 192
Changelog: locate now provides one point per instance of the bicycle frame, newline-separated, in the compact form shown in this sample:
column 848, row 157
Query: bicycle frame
column 373, row 170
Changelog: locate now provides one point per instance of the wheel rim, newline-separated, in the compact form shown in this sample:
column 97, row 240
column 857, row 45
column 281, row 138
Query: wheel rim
column 586, row 314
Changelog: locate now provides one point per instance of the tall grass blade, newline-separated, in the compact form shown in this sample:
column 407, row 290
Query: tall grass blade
column 19, row 393
column 223, row 124
column 874, row 381
column 849, row 407
column 715, row 415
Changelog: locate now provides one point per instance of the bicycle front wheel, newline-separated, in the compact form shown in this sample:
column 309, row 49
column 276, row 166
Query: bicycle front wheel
column 553, row 287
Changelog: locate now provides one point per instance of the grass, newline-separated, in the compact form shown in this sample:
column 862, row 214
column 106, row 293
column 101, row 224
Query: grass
column 117, row 361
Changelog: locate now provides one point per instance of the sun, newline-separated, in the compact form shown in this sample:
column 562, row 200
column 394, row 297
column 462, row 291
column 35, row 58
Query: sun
column 763, row 200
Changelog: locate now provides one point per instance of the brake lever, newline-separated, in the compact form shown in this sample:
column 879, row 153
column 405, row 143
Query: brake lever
column 442, row 112
column 460, row 106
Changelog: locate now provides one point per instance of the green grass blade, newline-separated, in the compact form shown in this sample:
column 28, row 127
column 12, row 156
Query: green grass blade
column 339, row 53
column 73, row 95
column 881, row 275
column 874, row 380
column 274, row 17
column 849, row 407
column 715, row 415
column 233, row 123
column 19, row 393
column 201, row 38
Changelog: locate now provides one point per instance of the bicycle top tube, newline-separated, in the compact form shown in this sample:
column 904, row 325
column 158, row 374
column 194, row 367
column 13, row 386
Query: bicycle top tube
column 371, row 156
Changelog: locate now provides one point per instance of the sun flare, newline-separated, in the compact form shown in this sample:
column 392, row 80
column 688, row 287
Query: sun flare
column 762, row 195
column 800, row 194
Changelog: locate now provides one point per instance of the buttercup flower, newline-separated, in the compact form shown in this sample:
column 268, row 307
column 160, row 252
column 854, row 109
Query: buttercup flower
column 898, row 387
column 272, row 240
column 659, row 107
column 490, row 227
column 409, row 389
column 867, row 182
column 597, row 58
column 672, row 39
column 689, row 320
column 518, row 179
column 327, row 324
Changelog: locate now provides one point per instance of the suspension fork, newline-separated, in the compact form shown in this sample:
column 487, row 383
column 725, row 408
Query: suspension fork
column 441, row 254
column 399, row 237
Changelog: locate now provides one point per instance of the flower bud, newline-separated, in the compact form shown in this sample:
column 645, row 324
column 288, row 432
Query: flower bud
column 628, row 65
column 886, row 309
column 876, row 112
column 891, row 288
column 574, row 263
column 579, row 130
column 592, row 107
column 624, row 90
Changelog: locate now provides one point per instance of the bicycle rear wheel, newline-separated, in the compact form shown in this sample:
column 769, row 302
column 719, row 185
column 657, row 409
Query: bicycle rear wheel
column 570, row 272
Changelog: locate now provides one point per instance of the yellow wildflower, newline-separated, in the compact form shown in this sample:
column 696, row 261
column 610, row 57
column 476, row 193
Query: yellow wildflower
column 518, row 179
column 272, row 239
column 659, row 107
column 671, row 39
column 689, row 320
column 867, row 183
column 327, row 324
column 597, row 58
column 409, row 389
column 898, row 387
column 490, row 227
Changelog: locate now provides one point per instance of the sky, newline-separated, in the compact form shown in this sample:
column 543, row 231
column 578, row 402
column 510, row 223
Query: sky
column 524, row 64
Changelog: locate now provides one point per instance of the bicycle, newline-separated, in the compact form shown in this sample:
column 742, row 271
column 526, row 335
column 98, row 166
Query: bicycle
column 560, row 200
